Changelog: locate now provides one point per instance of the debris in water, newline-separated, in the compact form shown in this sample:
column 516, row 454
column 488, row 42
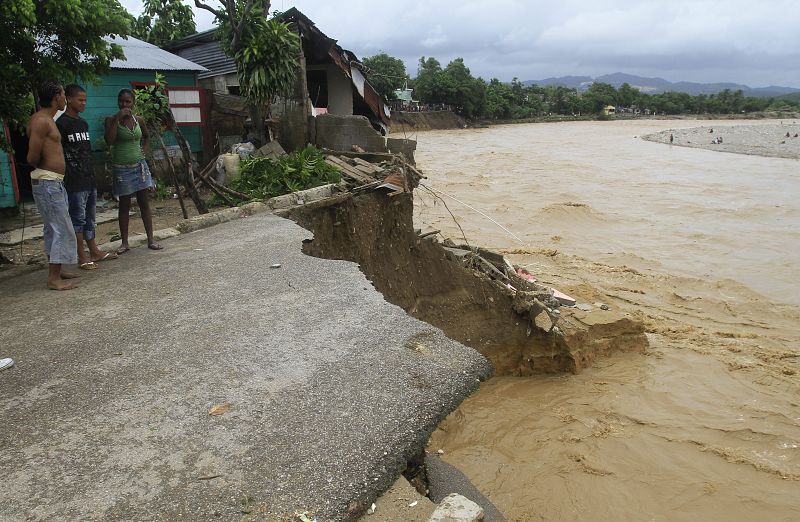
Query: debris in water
column 371, row 509
column 524, row 274
column 413, row 503
column 563, row 298
column 276, row 265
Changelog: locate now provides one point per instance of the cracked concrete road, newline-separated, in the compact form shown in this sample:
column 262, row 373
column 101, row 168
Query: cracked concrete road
column 105, row 414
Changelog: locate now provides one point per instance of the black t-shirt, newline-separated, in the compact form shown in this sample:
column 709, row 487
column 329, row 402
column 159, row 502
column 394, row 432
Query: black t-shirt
column 77, row 153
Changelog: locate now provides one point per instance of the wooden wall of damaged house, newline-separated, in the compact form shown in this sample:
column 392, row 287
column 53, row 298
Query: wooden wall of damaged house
column 187, row 100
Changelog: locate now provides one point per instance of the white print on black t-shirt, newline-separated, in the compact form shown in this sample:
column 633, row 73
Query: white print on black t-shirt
column 78, row 136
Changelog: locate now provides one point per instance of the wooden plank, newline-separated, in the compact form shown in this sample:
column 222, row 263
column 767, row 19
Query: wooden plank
column 349, row 173
column 366, row 164
column 366, row 172
column 344, row 166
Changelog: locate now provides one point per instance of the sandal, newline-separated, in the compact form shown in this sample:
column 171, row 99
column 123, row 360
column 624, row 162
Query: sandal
column 107, row 257
column 122, row 250
column 89, row 265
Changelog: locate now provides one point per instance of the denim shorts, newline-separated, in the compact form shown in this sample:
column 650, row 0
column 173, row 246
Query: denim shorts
column 59, row 236
column 82, row 211
column 130, row 179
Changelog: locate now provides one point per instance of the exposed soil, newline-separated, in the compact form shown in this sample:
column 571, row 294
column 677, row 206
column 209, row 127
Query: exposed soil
column 376, row 231
column 411, row 122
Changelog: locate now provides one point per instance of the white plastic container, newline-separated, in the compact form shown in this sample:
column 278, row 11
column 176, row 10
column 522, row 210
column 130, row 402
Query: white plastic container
column 231, row 163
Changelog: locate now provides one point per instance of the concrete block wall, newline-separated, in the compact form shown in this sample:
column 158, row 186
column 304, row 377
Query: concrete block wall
column 342, row 132
column 402, row 146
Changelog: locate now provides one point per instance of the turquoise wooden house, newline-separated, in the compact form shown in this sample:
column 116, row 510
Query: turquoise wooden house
column 142, row 62
column 9, row 192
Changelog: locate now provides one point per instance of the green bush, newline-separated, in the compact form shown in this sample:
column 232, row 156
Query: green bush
column 263, row 178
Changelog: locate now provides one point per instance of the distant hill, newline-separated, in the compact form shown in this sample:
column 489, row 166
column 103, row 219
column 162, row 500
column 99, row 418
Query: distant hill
column 659, row 85
column 573, row 82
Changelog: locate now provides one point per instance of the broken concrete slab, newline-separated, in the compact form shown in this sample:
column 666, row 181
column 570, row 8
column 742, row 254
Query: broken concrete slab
column 457, row 508
column 301, row 198
column 320, row 419
column 444, row 479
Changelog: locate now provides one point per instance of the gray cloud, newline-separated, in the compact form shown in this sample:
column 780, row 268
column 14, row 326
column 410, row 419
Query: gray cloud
column 748, row 42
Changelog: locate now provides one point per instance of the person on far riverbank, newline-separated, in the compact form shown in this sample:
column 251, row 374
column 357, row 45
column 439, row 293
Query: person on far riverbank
column 46, row 156
column 79, row 177
column 127, row 136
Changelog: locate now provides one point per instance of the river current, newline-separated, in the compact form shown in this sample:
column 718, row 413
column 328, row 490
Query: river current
column 702, row 246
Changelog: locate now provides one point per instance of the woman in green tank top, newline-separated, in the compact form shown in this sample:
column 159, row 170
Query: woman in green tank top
column 127, row 136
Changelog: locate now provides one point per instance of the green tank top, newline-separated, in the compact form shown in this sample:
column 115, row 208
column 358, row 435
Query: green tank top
column 127, row 148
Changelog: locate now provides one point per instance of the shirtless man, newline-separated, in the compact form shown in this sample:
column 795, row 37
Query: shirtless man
column 47, row 156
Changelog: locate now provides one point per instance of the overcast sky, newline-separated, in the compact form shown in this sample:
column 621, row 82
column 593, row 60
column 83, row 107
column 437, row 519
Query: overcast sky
column 748, row 42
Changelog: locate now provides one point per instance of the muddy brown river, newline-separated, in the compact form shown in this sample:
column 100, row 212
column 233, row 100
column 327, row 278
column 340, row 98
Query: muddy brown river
column 702, row 246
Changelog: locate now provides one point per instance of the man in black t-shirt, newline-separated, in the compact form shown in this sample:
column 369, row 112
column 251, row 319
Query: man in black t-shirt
column 79, row 179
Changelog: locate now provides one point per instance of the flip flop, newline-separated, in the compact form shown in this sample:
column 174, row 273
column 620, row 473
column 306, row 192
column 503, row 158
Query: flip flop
column 155, row 246
column 122, row 250
column 108, row 256
column 89, row 265
column 6, row 363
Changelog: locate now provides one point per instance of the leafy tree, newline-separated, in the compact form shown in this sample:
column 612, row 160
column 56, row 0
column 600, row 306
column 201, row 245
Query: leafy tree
column 164, row 21
column 266, row 52
column 561, row 100
column 60, row 39
column 499, row 100
column 428, row 83
column 386, row 74
column 466, row 93
column 601, row 93
column 626, row 95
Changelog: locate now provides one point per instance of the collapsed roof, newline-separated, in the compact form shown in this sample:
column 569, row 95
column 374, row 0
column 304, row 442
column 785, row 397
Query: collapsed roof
column 204, row 49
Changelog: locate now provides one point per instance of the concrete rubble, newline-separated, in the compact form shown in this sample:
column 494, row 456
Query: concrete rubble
column 456, row 508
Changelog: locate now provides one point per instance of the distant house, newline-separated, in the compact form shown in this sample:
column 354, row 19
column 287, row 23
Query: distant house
column 335, row 84
column 142, row 61
column 609, row 109
column 404, row 99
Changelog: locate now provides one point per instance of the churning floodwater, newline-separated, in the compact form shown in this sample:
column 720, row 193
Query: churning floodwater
column 604, row 193
column 704, row 248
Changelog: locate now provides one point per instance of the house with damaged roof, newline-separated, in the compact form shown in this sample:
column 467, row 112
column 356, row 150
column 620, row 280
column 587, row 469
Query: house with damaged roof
column 334, row 108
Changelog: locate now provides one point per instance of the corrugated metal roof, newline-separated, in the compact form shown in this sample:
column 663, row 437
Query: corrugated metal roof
column 142, row 55
column 210, row 56
column 204, row 49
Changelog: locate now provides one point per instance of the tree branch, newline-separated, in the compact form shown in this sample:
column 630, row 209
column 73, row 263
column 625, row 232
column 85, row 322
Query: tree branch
column 239, row 29
column 215, row 12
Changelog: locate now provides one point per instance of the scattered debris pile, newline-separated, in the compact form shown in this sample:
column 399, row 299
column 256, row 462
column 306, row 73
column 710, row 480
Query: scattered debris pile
column 365, row 170
column 540, row 303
